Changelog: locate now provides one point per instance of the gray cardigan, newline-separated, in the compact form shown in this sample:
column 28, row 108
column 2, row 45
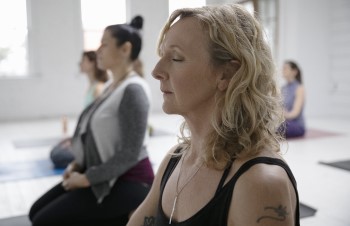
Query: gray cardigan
column 114, row 136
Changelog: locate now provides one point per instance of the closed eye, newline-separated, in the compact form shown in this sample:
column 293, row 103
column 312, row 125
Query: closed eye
column 177, row 60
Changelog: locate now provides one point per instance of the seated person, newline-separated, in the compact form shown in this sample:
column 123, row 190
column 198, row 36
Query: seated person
column 61, row 154
column 294, row 99
column 111, row 174
column 216, row 70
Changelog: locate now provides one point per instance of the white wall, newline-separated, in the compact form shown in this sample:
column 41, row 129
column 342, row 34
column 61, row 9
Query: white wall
column 154, row 19
column 305, row 36
column 58, row 89
column 55, row 87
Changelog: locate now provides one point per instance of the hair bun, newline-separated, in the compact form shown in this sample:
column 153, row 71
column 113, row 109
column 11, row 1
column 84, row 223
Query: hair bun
column 137, row 22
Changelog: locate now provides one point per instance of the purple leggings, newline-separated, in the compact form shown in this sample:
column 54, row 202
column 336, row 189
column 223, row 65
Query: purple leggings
column 294, row 129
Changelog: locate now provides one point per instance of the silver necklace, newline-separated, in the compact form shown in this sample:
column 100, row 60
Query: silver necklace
column 177, row 186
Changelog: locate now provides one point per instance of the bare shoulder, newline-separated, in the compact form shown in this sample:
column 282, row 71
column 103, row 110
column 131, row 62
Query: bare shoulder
column 166, row 159
column 267, row 193
column 145, row 214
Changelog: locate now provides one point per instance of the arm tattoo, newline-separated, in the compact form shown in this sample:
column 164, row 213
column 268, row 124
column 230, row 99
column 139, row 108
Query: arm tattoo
column 149, row 221
column 279, row 214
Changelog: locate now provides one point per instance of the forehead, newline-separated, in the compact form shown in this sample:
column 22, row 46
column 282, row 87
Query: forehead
column 107, row 36
column 187, row 33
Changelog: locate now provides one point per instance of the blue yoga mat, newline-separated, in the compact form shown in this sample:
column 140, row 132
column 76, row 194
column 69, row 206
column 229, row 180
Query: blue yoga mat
column 27, row 170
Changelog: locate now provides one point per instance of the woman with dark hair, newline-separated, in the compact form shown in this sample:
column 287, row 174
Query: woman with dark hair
column 294, row 99
column 97, row 77
column 111, row 174
column 61, row 154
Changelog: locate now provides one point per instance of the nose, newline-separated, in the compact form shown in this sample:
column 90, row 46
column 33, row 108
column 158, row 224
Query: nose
column 98, row 51
column 158, row 71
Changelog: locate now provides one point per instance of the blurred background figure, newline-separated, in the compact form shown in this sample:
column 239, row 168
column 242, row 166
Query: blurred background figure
column 97, row 77
column 61, row 154
column 111, row 173
column 294, row 99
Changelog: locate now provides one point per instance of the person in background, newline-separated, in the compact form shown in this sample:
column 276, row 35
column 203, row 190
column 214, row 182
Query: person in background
column 216, row 70
column 97, row 77
column 294, row 99
column 111, row 173
column 61, row 154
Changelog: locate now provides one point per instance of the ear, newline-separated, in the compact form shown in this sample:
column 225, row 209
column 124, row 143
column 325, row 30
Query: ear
column 229, row 69
column 126, row 48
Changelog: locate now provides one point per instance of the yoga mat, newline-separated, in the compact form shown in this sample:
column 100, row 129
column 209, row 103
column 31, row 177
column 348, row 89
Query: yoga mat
column 27, row 170
column 158, row 132
column 15, row 221
column 40, row 142
column 306, row 211
column 315, row 133
column 345, row 164
column 51, row 141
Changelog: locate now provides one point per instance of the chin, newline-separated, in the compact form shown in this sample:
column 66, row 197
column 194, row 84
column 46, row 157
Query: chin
column 168, row 110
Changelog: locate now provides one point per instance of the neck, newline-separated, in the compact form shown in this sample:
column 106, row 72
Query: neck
column 200, row 127
column 290, row 80
column 91, row 76
column 120, row 73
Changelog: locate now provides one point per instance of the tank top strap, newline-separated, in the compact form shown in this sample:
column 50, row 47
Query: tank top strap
column 223, row 178
column 270, row 161
column 174, row 160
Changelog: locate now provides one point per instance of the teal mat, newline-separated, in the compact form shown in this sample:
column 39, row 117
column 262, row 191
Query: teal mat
column 27, row 170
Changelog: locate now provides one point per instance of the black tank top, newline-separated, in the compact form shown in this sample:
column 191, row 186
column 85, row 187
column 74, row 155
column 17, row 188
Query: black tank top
column 216, row 211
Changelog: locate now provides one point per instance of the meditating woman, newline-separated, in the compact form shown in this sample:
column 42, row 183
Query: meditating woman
column 111, row 174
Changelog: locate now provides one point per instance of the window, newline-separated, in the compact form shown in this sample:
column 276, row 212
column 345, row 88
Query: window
column 13, row 39
column 267, row 13
column 177, row 4
column 97, row 15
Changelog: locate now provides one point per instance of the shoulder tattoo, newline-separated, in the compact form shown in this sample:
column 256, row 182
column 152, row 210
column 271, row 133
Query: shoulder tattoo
column 278, row 213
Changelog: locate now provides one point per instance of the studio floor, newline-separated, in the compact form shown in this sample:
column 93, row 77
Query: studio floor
column 322, row 187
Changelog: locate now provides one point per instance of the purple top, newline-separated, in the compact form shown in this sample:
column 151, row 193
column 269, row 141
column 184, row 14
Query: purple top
column 288, row 92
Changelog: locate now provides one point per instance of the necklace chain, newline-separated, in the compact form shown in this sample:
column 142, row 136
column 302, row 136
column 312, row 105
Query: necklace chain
column 185, row 184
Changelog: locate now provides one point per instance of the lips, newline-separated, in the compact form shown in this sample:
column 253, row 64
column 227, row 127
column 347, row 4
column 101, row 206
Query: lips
column 165, row 91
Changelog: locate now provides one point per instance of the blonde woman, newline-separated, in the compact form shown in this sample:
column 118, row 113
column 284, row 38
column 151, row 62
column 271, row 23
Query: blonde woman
column 216, row 70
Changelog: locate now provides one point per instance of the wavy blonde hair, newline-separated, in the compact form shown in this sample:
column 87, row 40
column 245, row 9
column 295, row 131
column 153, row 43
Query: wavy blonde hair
column 247, row 116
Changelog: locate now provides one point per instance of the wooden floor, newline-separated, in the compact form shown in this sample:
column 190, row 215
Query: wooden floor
column 322, row 187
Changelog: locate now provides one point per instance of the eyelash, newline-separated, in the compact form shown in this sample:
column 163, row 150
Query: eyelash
column 177, row 60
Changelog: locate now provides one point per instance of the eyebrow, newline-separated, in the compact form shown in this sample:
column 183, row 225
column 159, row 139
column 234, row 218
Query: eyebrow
column 175, row 47
column 171, row 47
